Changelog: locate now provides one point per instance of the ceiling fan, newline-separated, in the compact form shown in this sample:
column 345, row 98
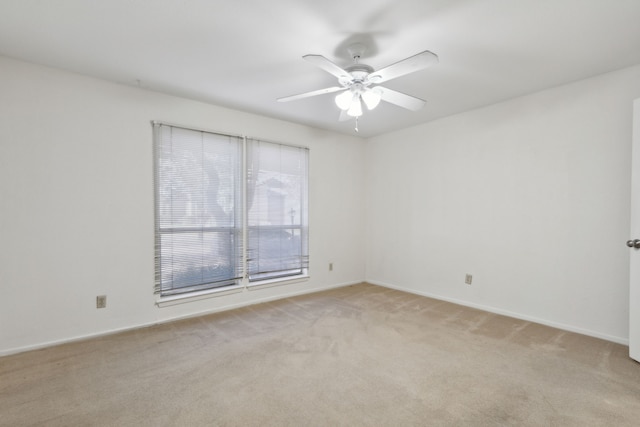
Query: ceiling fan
column 359, row 82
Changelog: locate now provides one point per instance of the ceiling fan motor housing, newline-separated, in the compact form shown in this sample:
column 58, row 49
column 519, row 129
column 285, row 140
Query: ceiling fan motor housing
column 357, row 74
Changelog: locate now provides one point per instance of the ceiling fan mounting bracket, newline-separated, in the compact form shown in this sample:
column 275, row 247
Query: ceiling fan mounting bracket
column 356, row 51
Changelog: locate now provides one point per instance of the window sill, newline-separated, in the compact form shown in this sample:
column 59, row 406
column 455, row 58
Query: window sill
column 197, row 296
column 227, row 290
column 277, row 282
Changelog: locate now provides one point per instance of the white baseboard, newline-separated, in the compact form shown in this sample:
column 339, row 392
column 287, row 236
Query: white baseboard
column 564, row 327
column 615, row 339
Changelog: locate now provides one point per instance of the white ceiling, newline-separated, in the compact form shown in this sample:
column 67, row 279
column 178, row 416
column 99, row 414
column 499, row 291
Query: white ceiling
column 244, row 54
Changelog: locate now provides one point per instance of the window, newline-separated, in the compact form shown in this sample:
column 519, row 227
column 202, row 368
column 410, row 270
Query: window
column 277, row 210
column 215, row 192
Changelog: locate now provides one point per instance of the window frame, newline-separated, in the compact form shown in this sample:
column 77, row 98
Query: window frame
column 198, row 292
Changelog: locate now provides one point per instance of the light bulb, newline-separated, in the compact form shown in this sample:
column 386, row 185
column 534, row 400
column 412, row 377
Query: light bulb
column 356, row 107
column 372, row 98
column 343, row 100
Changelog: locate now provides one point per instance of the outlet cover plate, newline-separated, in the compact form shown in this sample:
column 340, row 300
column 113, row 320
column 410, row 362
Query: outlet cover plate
column 101, row 301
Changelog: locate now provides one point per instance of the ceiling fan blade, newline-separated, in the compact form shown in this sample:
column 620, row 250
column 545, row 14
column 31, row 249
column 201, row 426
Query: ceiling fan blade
column 312, row 93
column 409, row 65
column 402, row 100
column 328, row 66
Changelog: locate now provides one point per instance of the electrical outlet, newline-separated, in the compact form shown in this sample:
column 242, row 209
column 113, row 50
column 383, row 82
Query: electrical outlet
column 101, row 301
column 468, row 279
column 330, row 266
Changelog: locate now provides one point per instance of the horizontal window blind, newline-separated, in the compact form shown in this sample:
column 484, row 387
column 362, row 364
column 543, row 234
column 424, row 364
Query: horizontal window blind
column 198, row 209
column 277, row 199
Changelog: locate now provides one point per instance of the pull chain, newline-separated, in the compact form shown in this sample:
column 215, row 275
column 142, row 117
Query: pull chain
column 356, row 124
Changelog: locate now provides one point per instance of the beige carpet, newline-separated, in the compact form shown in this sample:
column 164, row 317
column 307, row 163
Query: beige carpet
column 358, row 356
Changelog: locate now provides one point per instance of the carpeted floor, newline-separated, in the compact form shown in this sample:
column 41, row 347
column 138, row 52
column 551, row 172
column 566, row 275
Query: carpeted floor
column 355, row 356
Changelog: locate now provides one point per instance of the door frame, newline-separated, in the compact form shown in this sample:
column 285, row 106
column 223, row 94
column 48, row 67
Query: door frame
column 634, row 254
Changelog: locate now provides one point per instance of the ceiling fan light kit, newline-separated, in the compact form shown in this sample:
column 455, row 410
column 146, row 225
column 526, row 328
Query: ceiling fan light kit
column 372, row 97
column 344, row 99
column 358, row 82
column 355, row 109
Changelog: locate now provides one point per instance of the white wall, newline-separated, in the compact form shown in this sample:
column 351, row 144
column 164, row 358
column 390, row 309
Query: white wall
column 531, row 196
column 76, row 207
